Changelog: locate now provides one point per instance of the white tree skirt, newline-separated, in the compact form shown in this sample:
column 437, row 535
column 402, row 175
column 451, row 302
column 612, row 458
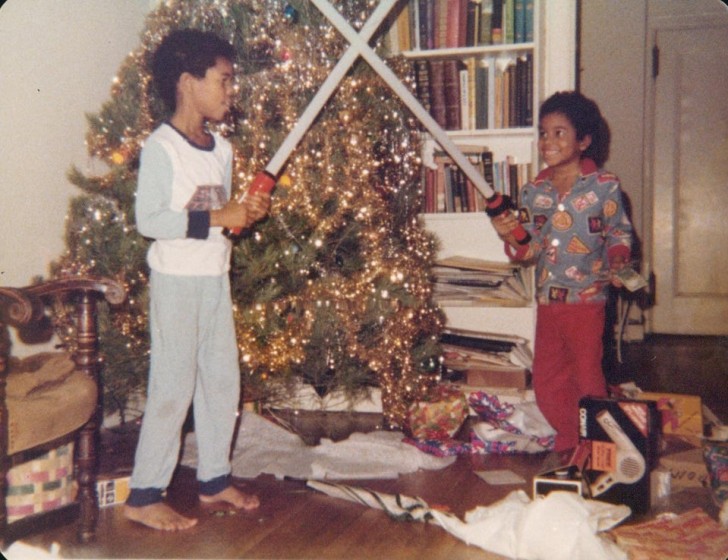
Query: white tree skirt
column 263, row 447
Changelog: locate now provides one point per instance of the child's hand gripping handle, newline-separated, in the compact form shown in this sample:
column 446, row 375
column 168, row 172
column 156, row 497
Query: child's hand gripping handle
column 499, row 204
column 262, row 182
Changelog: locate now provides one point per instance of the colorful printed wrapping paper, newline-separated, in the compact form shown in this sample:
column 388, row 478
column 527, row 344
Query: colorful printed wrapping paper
column 440, row 417
column 715, row 454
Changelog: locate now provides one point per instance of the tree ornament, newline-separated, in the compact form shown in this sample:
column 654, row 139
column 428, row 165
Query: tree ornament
column 290, row 13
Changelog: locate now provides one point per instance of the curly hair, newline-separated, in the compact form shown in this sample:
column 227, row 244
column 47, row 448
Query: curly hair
column 186, row 50
column 585, row 116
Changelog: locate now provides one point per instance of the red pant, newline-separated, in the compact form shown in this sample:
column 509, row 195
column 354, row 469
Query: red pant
column 567, row 364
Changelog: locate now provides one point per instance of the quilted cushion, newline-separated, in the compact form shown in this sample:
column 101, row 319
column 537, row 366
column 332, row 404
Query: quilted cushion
column 46, row 398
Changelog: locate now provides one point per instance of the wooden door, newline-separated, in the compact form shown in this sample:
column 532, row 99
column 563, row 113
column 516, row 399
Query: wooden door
column 689, row 241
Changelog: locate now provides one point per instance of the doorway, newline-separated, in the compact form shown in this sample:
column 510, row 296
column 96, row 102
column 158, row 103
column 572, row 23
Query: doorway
column 689, row 163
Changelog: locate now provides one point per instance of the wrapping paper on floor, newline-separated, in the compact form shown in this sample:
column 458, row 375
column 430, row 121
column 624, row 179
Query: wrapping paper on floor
column 559, row 526
column 263, row 447
column 693, row 534
column 503, row 429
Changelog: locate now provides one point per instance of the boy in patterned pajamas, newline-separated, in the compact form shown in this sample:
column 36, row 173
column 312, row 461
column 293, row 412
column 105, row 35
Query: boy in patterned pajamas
column 580, row 237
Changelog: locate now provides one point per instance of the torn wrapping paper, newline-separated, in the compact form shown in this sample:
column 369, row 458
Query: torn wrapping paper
column 560, row 526
column 524, row 420
column 263, row 447
column 503, row 429
column 693, row 534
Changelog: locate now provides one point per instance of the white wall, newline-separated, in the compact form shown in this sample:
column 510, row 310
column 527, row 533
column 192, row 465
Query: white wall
column 57, row 60
column 612, row 72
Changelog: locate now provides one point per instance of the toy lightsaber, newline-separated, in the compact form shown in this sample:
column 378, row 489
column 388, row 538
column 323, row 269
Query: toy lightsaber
column 496, row 203
column 265, row 180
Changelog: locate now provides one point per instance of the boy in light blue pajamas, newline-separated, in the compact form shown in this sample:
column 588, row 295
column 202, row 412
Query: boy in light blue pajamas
column 183, row 203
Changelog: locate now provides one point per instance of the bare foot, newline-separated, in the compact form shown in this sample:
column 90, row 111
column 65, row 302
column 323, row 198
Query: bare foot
column 159, row 516
column 234, row 497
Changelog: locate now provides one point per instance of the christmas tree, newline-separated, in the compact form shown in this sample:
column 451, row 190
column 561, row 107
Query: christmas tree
column 334, row 288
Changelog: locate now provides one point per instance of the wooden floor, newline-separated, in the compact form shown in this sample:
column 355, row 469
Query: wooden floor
column 294, row 522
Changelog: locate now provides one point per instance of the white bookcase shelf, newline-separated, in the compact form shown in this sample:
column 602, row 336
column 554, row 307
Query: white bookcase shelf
column 470, row 234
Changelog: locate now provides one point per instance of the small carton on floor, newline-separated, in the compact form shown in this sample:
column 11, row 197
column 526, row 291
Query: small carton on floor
column 623, row 435
column 567, row 477
column 687, row 468
column 112, row 491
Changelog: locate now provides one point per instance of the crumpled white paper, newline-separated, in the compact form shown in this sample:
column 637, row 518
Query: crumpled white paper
column 22, row 551
column 559, row 526
column 263, row 447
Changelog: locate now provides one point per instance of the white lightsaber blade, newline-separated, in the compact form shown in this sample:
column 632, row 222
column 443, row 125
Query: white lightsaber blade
column 327, row 88
column 391, row 79
column 265, row 180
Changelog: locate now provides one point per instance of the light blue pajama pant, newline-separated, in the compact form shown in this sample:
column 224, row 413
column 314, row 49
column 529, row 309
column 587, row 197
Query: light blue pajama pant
column 194, row 358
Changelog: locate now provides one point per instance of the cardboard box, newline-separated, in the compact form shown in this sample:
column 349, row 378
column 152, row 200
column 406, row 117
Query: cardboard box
column 687, row 468
column 681, row 415
column 623, row 436
column 518, row 378
column 112, row 491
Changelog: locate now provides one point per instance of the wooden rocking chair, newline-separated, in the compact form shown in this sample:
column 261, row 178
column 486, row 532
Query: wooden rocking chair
column 50, row 410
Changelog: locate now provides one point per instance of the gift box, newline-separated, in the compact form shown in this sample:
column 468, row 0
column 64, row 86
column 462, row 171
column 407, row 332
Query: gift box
column 112, row 491
column 715, row 454
column 681, row 415
column 438, row 417
column 623, row 436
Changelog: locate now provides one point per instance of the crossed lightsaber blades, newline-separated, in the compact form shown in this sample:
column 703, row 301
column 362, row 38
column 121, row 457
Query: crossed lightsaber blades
column 359, row 46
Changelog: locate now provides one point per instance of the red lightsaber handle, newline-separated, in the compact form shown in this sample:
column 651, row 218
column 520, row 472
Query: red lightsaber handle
column 262, row 182
column 500, row 204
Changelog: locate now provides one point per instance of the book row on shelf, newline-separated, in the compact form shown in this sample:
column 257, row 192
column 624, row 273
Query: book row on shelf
column 447, row 189
column 477, row 93
column 446, row 24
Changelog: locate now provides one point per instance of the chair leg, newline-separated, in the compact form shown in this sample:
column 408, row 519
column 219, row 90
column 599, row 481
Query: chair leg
column 86, row 478
column 87, row 459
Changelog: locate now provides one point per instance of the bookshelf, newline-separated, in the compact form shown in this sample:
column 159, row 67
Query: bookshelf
column 549, row 48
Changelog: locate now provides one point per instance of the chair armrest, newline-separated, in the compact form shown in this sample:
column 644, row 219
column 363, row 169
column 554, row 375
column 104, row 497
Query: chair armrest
column 15, row 307
column 112, row 290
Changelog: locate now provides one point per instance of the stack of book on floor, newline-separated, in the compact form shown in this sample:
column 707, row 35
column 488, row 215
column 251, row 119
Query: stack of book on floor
column 465, row 281
column 487, row 360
